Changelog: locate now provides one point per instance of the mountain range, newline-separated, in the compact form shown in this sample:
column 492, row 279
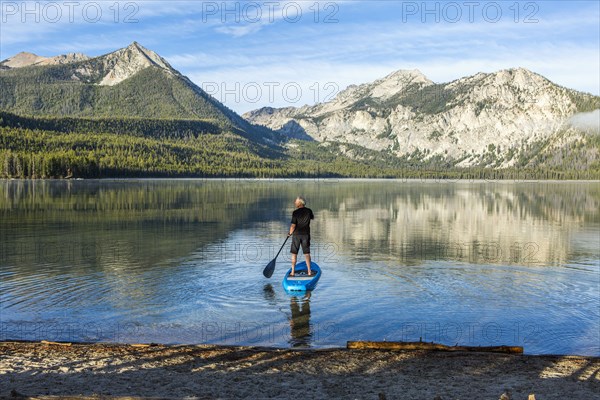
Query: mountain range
column 510, row 119
column 132, row 82
column 487, row 118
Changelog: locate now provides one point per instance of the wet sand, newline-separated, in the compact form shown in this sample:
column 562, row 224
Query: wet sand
column 213, row 372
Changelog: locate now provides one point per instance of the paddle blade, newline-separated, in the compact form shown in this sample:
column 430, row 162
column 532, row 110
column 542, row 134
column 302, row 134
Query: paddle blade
column 268, row 271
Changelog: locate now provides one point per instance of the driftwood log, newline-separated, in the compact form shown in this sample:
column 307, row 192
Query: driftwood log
column 56, row 343
column 431, row 346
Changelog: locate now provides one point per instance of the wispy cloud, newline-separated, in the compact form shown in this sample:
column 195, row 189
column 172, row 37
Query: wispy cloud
column 239, row 30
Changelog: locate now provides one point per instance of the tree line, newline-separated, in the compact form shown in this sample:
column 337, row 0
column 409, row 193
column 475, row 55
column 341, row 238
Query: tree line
column 106, row 148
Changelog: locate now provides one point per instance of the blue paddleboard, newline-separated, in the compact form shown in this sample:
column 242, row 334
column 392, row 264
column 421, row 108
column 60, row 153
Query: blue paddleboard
column 301, row 282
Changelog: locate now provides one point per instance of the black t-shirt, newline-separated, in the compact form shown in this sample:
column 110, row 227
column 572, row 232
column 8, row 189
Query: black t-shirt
column 301, row 217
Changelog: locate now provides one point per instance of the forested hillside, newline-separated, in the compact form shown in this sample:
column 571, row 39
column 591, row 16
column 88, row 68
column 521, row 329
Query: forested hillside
column 102, row 148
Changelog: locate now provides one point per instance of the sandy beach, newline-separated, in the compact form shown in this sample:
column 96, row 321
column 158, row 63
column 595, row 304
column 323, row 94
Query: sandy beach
column 218, row 372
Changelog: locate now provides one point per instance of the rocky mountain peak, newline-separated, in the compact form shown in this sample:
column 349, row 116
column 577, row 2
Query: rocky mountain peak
column 69, row 58
column 514, row 77
column 405, row 74
column 141, row 85
column 25, row 59
column 378, row 91
column 128, row 61
column 112, row 68
column 396, row 82
column 137, row 50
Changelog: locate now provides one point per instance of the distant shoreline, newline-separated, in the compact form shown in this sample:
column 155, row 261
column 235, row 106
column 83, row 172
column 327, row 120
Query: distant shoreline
column 316, row 179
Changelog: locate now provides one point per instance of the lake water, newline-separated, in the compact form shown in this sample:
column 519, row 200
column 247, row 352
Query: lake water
column 180, row 261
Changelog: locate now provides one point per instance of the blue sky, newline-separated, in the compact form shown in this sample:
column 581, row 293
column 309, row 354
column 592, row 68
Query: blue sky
column 290, row 53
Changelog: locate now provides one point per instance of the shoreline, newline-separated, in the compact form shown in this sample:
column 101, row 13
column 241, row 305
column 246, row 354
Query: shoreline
column 33, row 369
column 390, row 346
column 313, row 179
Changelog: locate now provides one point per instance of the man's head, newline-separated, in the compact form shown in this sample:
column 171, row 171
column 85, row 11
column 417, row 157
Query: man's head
column 300, row 202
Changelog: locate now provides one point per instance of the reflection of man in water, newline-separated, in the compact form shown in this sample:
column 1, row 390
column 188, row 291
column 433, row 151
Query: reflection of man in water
column 300, row 321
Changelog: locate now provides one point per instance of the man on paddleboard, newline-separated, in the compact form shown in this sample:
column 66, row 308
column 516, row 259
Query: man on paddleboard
column 300, row 232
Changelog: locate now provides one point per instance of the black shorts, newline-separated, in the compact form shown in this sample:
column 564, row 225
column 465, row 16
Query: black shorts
column 298, row 240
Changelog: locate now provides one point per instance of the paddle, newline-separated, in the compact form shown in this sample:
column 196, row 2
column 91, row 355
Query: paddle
column 268, row 271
